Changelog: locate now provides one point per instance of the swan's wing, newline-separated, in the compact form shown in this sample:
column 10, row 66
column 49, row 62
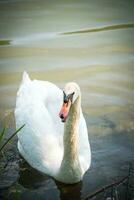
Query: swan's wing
column 83, row 144
column 37, row 106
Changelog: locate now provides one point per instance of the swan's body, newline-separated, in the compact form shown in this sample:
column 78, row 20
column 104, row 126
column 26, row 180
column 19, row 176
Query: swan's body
column 61, row 151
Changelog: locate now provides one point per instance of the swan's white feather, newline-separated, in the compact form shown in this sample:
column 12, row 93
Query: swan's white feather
column 41, row 140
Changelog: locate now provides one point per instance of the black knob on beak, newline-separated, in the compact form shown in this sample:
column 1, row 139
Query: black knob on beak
column 62, row 116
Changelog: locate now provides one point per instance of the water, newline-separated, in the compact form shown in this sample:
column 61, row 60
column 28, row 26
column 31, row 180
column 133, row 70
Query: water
column 92, row 43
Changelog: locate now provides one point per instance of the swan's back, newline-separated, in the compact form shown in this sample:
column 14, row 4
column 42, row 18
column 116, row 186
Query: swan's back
column 40, row 141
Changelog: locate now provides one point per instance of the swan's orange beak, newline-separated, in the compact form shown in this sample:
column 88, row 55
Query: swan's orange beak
column 65, row 111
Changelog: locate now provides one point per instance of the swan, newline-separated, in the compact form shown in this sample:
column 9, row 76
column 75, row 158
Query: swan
column 54, row 139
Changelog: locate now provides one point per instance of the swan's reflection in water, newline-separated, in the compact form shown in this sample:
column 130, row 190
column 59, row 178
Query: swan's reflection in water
column 40, row 186
column 69, row 192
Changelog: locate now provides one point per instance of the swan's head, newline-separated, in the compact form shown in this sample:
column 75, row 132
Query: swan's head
column 70, row 93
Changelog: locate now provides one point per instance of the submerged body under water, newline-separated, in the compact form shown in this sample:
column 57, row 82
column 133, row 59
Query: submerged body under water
column 88, row 42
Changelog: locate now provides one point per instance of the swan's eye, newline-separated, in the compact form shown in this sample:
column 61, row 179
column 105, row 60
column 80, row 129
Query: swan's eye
column 66, row 98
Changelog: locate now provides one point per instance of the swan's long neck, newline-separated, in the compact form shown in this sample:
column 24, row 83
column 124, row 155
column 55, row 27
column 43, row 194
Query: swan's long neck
column 71, row 133
column 70, row 169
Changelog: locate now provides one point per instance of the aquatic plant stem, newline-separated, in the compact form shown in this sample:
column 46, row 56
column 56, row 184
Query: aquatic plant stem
column 2, row 133
column 8, row 140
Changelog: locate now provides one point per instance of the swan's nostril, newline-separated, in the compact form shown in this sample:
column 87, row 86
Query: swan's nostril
column 62, row 116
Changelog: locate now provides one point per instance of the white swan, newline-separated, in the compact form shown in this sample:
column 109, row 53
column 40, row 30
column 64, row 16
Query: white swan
column 58, row 149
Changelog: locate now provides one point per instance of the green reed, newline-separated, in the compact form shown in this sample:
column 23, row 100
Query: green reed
column 3, row 132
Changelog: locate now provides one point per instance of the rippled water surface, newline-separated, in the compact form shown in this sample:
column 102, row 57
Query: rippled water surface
column 90, row 42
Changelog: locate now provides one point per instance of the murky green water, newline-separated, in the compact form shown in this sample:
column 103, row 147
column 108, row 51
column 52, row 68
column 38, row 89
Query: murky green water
column 92, row 43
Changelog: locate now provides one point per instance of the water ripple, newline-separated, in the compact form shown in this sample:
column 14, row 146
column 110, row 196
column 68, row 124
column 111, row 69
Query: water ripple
column 98, row 29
